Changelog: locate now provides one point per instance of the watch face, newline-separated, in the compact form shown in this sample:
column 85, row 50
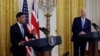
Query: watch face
column 52, row 40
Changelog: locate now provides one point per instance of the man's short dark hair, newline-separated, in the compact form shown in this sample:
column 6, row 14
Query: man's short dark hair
column 19, row 14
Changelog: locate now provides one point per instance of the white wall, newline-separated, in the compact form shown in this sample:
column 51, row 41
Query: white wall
column 42, row 22
column 93, row 12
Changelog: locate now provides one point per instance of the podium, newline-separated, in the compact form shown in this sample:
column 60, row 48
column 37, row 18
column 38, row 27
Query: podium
column 44, row 46
column 92, row 38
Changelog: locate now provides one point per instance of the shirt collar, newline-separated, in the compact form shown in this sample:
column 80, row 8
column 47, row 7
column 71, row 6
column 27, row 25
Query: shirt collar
column 83, row 19
column 19, row 24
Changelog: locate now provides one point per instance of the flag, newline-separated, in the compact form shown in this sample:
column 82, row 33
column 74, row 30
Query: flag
column 34, row 18
column 25, row 11
column 30, row 51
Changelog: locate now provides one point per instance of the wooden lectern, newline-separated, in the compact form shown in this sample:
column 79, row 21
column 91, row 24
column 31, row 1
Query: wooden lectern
column 92, row 38
column 44, row 46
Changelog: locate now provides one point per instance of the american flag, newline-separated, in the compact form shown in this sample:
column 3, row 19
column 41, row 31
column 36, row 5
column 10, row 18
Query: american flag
column 25, row 10
column 31, row 25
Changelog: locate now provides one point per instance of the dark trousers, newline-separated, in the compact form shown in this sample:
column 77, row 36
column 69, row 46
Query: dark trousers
column 18, row 54
column 18, row 51
column 79, row 48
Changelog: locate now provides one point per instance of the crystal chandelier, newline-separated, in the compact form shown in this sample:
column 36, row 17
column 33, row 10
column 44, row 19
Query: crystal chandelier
column 47, row 5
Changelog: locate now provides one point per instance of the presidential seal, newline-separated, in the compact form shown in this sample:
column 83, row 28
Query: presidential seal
column 52, row 40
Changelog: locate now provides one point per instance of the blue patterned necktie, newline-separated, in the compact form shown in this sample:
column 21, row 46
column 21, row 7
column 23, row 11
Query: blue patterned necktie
column 83, row 22
column 22, row 31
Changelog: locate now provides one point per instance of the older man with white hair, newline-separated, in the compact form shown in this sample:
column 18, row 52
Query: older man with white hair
column 81, row 25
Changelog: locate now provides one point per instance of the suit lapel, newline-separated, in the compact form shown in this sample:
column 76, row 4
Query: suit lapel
column 80, row 23
column 18, row 29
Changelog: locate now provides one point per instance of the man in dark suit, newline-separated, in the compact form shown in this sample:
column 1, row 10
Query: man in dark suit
column 81, row 25
column 18, row 31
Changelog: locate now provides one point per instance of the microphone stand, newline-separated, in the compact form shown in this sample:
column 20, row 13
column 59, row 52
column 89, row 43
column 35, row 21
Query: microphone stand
column 98, row 30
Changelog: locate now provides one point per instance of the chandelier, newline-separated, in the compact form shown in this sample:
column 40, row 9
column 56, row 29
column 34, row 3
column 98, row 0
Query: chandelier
column 47, row 5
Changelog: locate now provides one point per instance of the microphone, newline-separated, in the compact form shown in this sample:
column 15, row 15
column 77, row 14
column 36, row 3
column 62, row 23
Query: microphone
column 95, row 26
column 44, row 30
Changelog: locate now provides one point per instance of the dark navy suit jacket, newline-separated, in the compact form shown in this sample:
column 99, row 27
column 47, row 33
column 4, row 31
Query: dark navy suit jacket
column 77, row 27
column 16, row 37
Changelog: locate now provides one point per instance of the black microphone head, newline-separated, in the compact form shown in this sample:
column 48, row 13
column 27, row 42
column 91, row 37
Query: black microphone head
column 43, row 29
column 94, row 24
column 40, row 28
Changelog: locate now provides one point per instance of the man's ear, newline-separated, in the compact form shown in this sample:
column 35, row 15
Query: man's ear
column 18, row 19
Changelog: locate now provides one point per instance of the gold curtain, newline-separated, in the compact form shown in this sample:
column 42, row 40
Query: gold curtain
column 8, row 9
column 66, row 11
